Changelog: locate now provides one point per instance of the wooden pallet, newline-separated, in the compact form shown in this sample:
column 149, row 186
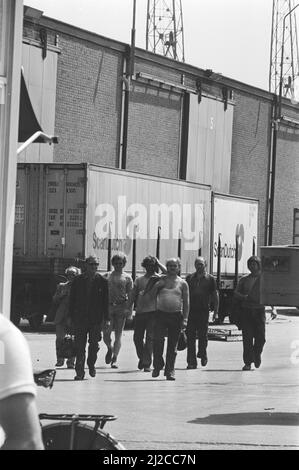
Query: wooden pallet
column 224, row 333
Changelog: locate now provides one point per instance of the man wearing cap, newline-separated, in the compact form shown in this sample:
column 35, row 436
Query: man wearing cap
column 203, row 293
column 252, row 318
column 88, row 309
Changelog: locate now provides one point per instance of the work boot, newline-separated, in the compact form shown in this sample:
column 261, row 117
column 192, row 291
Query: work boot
column 79, row 376
column 59, row 363
column 257, row 361
column 170, row 376
column 155, row 373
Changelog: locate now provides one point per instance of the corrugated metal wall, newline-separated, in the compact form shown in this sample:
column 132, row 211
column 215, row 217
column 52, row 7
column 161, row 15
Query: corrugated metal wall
column 126, row 200
column 50, row 211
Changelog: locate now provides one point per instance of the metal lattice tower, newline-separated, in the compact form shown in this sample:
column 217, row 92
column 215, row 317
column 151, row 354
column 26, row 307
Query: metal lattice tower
column 164, row 28
column 289, row 40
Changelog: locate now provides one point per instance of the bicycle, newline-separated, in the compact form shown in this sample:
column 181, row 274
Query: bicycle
column 68, row 433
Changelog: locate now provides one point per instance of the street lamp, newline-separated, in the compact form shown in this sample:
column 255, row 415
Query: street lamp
column 276, row 121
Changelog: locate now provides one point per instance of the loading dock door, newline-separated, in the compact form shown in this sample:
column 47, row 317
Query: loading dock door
column 209, row 143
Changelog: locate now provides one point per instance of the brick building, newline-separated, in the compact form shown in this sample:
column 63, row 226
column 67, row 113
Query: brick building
column 171, row 119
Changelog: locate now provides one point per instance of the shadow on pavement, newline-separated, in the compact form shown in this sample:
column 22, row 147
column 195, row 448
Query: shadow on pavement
column 245, row 419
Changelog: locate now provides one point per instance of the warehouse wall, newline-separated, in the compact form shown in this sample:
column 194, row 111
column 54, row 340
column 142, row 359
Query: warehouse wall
column 286, row 185
column 89, row 119
column 250, row 151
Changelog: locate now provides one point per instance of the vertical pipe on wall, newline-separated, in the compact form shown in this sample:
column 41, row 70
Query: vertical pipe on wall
column 271, row 175
column 125, row 119
column 236, row 262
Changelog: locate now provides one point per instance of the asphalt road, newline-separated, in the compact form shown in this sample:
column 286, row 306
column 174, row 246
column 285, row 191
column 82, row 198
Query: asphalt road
column 216, row 407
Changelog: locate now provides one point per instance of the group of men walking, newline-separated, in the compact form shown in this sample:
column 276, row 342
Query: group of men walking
column 92, row 305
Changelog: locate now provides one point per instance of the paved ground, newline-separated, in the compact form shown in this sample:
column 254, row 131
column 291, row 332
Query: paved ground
column 216, row 407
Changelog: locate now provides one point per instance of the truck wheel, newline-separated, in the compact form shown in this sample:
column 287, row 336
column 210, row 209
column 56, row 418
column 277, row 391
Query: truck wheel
column 220, row 319
column 35, row 321
column 15, row 318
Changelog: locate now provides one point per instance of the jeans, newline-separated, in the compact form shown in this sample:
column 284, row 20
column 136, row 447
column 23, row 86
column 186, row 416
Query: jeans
column 144, row 325
column 253, row 333
column 197, row 327
column 166, row 324
column 93, row 334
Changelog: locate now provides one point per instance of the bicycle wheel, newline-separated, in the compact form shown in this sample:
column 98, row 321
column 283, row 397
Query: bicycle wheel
column 57, row 436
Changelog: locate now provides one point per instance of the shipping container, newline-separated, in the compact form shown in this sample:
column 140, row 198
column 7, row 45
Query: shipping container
column 233, row 217
column 65, row 212
column 234, row 239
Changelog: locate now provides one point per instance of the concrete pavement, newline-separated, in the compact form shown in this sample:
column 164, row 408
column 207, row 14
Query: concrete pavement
column 216, row 407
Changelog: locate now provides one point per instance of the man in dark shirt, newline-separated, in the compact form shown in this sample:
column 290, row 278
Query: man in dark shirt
column 203, row 291
column 253, row 318
column 88, row 309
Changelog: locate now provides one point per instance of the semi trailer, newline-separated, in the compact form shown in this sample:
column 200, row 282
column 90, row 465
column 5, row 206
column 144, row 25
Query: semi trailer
column 65, row 212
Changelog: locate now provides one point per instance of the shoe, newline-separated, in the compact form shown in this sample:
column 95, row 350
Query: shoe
column 198, row 355
column 113, row 363
column 70, row 366
column 147, row 369
column 257, row 362
column 108, row 356
column 191, row 366
column 92, row 372
column 170, row 377
column 79, row 376
column 247, row 367
column 204, row 362
column 59, row 363
column 156, row 373
column 140, row 365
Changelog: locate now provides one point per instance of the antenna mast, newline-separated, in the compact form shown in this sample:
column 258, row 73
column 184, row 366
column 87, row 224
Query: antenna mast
column 286, row 38
column 164, row 28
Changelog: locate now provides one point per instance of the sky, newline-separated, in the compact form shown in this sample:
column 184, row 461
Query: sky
column 231, row 37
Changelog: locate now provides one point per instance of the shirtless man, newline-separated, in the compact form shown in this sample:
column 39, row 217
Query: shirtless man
column 172, row 315
column 145, row 311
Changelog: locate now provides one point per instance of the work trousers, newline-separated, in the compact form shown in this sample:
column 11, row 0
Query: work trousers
column 166, row 324
column 253, row 333
column 197, row 327
column 82, row 333
column 143, row 337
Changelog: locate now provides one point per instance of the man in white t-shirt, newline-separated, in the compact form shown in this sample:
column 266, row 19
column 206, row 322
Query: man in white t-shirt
column 19, row 424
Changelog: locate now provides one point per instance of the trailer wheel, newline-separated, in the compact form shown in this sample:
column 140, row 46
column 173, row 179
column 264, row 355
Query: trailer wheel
column 220, row 319
column 35, row 321
column 15, row 318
